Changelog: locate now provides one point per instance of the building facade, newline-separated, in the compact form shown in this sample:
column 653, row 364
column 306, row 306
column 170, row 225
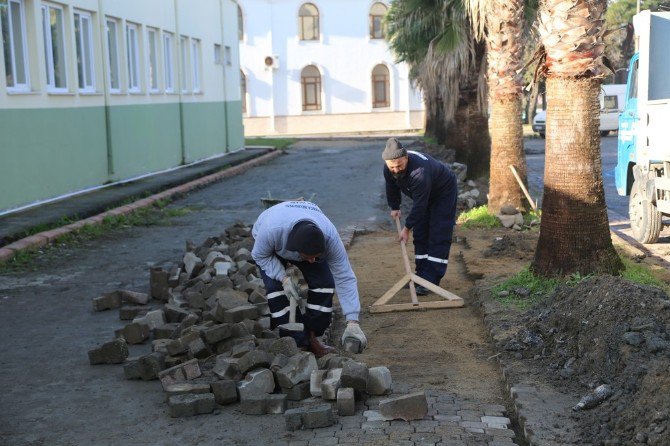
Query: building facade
column 321, row 66
column 94, row 92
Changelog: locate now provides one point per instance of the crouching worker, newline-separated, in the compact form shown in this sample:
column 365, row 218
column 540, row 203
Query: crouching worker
column 297, row 232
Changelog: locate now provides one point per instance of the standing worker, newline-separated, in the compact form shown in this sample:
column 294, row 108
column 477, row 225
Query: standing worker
column 432, row 187
column 297, row 232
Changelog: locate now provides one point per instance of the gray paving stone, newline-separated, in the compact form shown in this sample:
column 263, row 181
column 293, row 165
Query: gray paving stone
column 325, row 441
column 399, row 428
column 472, row 424
column 496, row 420
column 500, row 432
column 450, row 418
column 406, row 407
column 475, row 430
column 425, row 438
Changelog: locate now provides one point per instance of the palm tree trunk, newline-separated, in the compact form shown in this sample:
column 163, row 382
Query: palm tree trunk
column 574, row 234
column 479, row 142
column 506, row 150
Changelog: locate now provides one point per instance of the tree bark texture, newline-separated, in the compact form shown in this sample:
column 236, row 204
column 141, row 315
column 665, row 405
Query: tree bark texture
column 574, row 233
column 506, row 150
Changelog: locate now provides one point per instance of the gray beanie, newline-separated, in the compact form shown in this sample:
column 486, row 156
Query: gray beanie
column 393, row 150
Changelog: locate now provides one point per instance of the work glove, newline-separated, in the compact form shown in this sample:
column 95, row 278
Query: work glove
column 354, row 331
column 290, row 288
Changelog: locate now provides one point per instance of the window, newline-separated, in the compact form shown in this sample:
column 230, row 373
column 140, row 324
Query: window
column 83, row 33
column 54, row 47
column 309, row 22
column 184, row 63
column 168, row 60
column 13, row 24
column 610, row 103
column 195, row 52
column 240, row 23
column 243, row 91
column 133, row 56
column 380, row 87
column 217, row 54
column 311, row 88
column 377, row 13
column 228, row 55
column 152, row 44
column 113, row 55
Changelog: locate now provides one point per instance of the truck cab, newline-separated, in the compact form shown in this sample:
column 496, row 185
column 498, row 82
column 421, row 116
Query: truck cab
column 643, row 157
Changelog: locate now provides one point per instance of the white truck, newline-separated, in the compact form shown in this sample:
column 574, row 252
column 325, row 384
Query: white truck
column 643, row 159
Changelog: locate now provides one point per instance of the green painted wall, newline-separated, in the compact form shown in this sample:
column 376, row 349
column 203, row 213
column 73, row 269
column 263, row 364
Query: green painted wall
column 45, row 153
column 145, row 138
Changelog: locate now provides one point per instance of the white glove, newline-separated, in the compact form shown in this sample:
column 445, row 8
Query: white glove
column 290, row 288
column 353, row 330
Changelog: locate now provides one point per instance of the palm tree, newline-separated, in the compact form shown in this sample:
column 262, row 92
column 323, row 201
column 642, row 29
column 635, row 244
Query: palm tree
column 501, row 24
column 432, row 36
column 574, row 233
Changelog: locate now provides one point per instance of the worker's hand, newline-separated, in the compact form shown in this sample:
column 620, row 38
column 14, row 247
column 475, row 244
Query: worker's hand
column 395, row 214
column 404, row 235
column 290, row 288
column 354, row 331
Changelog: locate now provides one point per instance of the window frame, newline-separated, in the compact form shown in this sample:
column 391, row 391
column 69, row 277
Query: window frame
column 168, row 61
column 311, row 81
column 382, row 29
column 240, row 23
column 133, row 57
column 196, row 71
column 386, row 82
column 185, row 63
column 17, row 86
column 87, row 57
column 153, row 60
column 316, row 23
column 113, row 64
column 49, row 47
column 243, row 91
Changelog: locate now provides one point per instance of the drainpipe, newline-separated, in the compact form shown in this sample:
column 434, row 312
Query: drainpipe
column 223, row 68
column 180, row 83
column 102, row 24
column 272, row 78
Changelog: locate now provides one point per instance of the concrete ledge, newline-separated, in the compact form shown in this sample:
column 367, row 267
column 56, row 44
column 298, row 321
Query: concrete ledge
column 47, row 237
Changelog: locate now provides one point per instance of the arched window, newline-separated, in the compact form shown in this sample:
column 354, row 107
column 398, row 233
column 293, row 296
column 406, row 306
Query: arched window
column 243, row 91
column 377, row 13
column 310, row 78
column 240, row 23
column 380, row 87
column 309, row 22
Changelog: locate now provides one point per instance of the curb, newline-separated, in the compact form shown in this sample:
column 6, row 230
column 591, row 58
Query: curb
column 44, row 238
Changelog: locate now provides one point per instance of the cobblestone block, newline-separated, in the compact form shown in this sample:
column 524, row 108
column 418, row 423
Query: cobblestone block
column 191, row 404
column 107, row 301
column 472, row 424
column 158, row 284
column 275, row 403
column 186, row 387
column 225, row 391
column 253, row 360
column 180, row 346
column 298, row 392
column 165, row 331
column 298, row 369
column 279, row 361
column 131, row 369
column 239, row 314
column 198, row 349
column 324, row 441
column 407, row 407
column 240, row 349
column 130, row 312
column 151, row 365
column 322, row 362
column 173, row 313
column 160, row 345
column 217, row 333
column 133, row 297
column 315, row 380
column 375, row 415
column 227, row 368
column 338, row 362
column 183, row 372
column 379, row 381
column 112, row 352
column 500, row 432
column 309, row 417
column 253, row 404
column 152, row 319
column 496, row 420
column 259, row 381
column 346, row 404
column 354, row 375
column 285, row 345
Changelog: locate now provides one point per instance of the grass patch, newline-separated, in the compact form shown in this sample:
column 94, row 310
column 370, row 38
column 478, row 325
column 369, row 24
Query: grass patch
column 479, row 217
column 430, row 140
column 277, row 143
column 539, row 288
column 641, row 274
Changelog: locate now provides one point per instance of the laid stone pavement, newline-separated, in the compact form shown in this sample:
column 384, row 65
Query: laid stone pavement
column 450, row 421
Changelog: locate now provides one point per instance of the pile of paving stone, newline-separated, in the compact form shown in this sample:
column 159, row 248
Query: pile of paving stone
column 212, row 344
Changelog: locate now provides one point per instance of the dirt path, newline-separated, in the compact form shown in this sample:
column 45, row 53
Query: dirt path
column 442, row 349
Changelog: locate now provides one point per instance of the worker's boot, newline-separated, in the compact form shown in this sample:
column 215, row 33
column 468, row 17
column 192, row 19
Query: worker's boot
column 317, row 347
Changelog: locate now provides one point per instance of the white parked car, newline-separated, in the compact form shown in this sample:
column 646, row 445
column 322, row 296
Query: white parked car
column 611, row 104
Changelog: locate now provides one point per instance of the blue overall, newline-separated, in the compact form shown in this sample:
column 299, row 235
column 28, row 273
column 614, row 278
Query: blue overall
column 432, row 187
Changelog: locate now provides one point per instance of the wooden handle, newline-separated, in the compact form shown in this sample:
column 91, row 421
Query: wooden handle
column 408, row 268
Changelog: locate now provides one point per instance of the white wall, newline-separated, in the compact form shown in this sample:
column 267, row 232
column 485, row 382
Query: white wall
column 345, row 55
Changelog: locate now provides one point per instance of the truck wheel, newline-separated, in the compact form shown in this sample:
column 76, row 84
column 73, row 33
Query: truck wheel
column 645, row 219
column 542, row 135
column 604, row 132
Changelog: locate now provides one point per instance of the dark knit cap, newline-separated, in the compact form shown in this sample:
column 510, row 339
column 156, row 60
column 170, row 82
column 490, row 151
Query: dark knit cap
column 307, row 238
column 393, row 150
